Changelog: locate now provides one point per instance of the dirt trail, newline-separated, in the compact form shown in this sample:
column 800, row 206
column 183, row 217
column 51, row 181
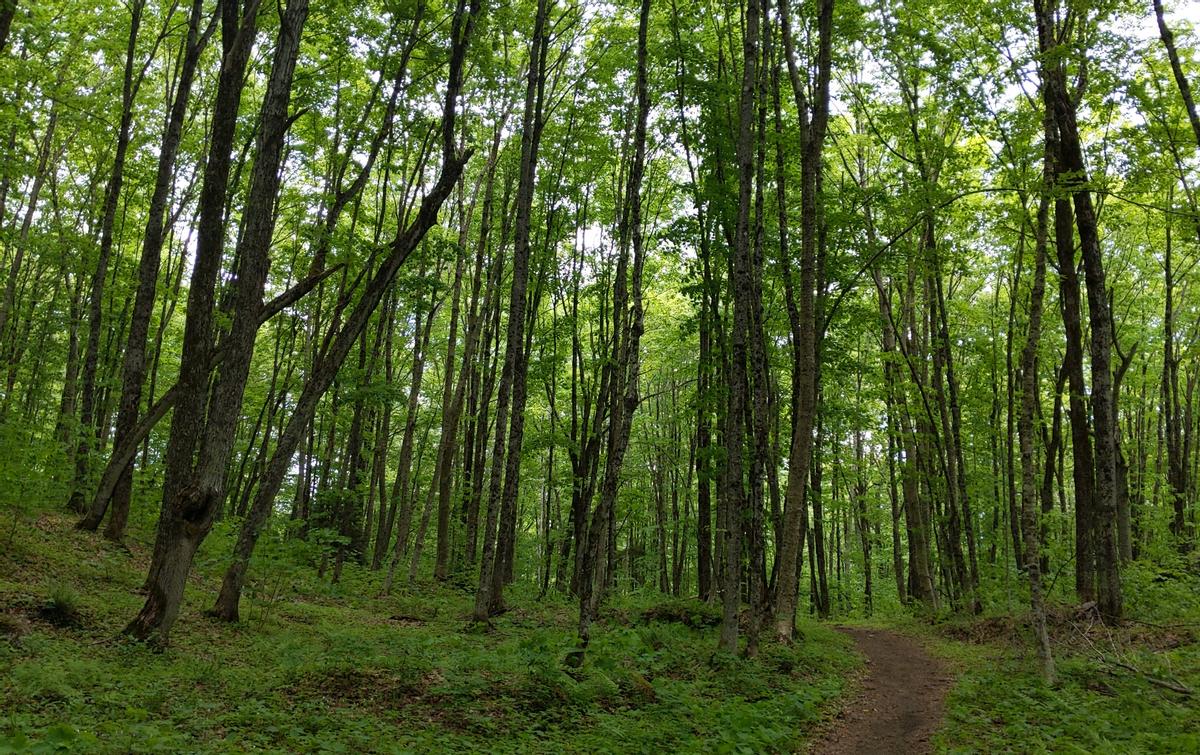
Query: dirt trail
column 899, row 704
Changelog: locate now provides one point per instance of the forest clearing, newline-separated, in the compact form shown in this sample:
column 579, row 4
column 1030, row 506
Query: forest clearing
column 583, row 376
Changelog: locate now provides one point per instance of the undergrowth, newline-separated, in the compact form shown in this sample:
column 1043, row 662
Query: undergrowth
column 1120, row 690
column 316, row 667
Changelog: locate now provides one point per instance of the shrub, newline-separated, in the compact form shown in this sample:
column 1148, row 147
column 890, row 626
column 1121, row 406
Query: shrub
column 62, row 607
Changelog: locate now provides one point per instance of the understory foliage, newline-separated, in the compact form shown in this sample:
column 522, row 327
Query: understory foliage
column 321, row 668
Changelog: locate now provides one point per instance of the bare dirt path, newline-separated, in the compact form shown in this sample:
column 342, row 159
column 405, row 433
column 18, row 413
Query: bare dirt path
column 898, row 706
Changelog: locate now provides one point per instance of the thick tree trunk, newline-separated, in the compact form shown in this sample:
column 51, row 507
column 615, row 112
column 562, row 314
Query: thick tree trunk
column 1071, row 163
column 8, row 9
column 191, row 503
column 1083, row 471
column 238, row 32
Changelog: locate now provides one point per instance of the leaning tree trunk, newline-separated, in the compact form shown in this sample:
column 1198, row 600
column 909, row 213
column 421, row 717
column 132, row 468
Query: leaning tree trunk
column 153, row 239
column 238, row 32
column 112, row 194
column 190, row 509
column 341, row 343
column 1181, row 81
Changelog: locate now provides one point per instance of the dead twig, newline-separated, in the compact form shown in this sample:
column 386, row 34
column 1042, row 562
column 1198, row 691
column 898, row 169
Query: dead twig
column 1173, row 685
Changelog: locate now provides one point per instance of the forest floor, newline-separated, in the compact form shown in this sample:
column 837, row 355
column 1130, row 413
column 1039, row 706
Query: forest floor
column 315, row 667
column 899, row 703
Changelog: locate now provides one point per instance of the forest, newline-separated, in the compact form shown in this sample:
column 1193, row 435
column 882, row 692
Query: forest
column 599, row 376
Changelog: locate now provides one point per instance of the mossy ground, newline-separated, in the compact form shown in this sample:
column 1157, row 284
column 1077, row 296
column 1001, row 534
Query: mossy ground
column 320, row 668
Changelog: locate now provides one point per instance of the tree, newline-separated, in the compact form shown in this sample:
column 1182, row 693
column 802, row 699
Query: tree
column 802, row 315
column 193, row 491
column 134, row 364
column 406, row 241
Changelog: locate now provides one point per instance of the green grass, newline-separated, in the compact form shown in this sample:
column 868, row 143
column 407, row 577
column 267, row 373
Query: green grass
column 315, row 667
column 320, row 668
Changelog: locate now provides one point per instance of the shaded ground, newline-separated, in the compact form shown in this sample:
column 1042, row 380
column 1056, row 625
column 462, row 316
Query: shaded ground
column 315, row 667
column 899, row 704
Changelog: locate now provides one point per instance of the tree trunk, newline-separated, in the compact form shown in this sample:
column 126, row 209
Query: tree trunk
column 626, row 340
column 1030, row 527
column 238, row 32
column 733, row 489
column 1070, row 161
column 88, row 420
column 322, row 377
column 192, row 501
column 8, row 9
column 453, row 412
column 803, row 317
column 404, row 464
column 1171, row 411
column 135, row 362
column 1168, row 39
column 506, row 461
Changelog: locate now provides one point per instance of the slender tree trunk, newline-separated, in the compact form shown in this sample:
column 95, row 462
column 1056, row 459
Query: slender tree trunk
column 1181, row 81
column 404, row 465
column 510, row 405
column 1030, row 526
column 863, row 523
column 88, row 419
column 813, row 120
column 135, row 362
column 454, row 404
column 331, row 359
column 626, row 339
column 1171, row 410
